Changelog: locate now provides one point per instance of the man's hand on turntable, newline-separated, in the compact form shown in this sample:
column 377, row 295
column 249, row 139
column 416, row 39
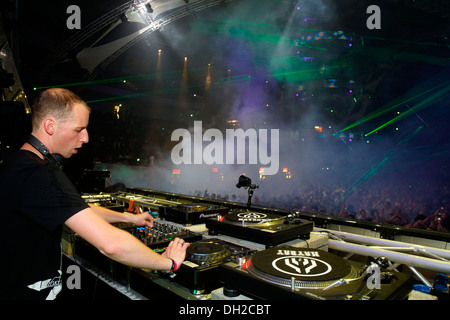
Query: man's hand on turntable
column 176, row 250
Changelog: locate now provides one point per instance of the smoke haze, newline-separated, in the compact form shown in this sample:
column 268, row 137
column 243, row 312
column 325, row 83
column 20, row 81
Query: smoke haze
column 267, row 81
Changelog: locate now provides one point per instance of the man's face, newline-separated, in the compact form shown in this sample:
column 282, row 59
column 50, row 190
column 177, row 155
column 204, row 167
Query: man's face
column 72, row 132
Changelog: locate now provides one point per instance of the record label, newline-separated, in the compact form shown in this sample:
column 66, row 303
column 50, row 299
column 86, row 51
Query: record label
column 300, row 263
column 305, row 267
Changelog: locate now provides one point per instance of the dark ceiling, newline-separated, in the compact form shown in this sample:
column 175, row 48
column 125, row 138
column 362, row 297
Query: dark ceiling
column 413, row 33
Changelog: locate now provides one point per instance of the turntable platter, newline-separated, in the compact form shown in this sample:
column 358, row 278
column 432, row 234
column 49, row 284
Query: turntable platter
column 303, row 268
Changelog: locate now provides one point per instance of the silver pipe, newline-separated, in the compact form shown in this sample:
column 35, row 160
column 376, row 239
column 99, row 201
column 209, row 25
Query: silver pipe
column 408, row 259
column 420, row 276
column 404, row 249
column 426, row 253
column 384, row 242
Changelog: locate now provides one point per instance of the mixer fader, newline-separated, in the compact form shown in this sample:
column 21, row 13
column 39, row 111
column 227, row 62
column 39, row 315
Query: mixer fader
column 161, row 234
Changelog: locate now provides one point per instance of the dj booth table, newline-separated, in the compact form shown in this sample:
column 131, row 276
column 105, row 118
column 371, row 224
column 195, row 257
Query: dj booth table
column 235, row 254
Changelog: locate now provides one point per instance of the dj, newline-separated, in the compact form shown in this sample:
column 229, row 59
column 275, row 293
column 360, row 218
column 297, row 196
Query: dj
column 37, row 199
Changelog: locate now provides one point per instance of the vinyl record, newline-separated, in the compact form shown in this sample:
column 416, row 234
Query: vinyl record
column 305, row 268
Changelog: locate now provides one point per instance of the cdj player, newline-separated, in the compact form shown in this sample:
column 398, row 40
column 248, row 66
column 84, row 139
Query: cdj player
column 192, row 213
column 199, row 272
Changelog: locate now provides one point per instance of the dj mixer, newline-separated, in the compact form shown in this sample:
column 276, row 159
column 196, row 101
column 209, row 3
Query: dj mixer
column 160, row 235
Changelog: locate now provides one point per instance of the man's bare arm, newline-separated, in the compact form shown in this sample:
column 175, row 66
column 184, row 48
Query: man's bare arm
column 121, row 246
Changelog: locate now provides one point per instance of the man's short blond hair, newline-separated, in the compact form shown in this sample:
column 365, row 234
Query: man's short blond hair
column 55, row 102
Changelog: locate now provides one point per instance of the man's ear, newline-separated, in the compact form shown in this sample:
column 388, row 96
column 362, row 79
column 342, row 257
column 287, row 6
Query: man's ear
column 49, row 125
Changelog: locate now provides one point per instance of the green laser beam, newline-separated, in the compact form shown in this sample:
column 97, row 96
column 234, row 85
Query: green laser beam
column 424, row 104
column 372, row 171
column 103, row 81
column 406, row 98
column 241, row 78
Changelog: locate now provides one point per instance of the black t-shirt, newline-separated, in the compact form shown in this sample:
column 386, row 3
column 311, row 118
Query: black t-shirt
column 36, row 198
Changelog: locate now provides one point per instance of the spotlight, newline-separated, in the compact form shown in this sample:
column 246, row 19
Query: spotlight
column 149, row 8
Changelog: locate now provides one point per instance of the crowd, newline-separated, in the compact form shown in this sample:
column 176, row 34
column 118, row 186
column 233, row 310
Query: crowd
column 423, row 207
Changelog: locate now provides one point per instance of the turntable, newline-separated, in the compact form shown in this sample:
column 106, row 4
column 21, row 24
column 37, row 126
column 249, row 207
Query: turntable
column 252, row 218
column 266, row 228
column 287, row 272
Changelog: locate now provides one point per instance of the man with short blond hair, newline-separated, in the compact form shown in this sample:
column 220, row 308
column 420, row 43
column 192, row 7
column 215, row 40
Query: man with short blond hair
column 37, row 199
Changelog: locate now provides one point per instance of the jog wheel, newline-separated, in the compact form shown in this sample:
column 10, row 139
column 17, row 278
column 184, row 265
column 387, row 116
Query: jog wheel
column 206, row 252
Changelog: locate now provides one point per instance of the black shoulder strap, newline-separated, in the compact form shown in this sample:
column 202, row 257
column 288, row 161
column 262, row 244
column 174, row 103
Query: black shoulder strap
column 54, row 158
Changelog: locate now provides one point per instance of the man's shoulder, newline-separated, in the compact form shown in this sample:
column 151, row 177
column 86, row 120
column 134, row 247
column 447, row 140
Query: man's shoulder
column 21, row 158
column 19, row 166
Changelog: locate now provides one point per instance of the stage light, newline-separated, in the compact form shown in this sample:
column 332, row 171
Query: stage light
column 148, row 7
column 332, row 83
column 117, row 111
